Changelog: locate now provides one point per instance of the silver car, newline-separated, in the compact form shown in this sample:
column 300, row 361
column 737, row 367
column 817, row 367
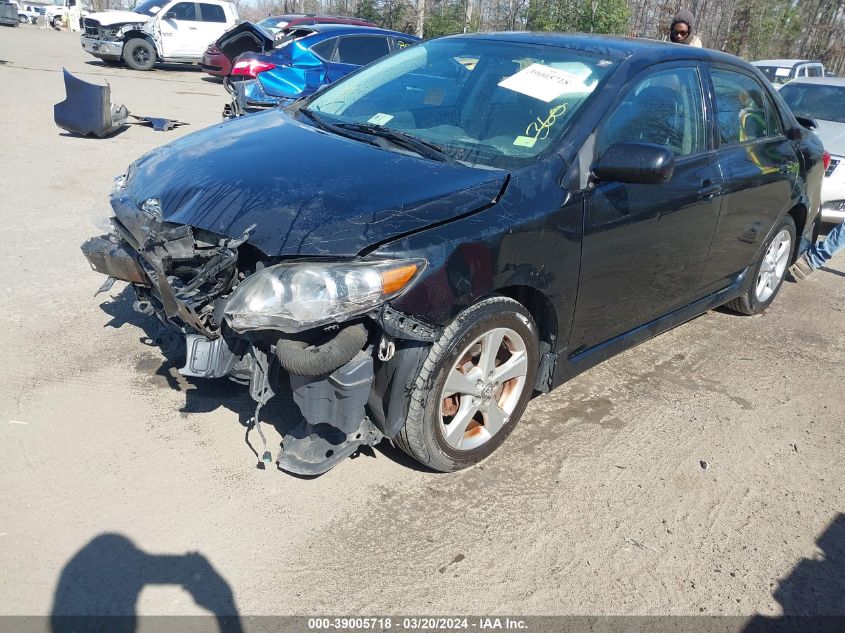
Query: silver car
column 823, row 99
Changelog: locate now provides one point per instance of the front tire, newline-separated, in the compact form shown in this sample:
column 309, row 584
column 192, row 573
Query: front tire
column 139, row 54
column 473, row 387
column 769, row 271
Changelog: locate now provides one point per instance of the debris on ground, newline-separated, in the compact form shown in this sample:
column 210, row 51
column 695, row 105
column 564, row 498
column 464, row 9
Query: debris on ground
column 87, row 109
column 157, row 123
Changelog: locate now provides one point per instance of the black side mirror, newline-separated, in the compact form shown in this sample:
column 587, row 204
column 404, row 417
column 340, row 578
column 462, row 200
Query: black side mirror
column 807, row 121
column 635, row 163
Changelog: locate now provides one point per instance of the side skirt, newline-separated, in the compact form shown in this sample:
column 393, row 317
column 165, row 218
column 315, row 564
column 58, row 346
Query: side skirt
column 582, row 361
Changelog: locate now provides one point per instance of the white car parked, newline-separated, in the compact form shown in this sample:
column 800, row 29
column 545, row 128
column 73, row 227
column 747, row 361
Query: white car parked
column 823, row 99
column 157, row 31
column 782, row 71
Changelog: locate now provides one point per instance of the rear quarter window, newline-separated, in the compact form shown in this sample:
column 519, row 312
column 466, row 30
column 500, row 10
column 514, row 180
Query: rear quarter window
column 324, row 49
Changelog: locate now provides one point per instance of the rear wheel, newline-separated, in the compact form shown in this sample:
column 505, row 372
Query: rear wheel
column 769, row 271
column 473, row 387
column 22, row 19
column 139, row 54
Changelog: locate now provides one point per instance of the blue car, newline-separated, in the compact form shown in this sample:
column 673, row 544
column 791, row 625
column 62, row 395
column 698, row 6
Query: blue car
column 305, row 59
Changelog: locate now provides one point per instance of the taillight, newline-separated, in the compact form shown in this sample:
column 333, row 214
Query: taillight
column 251, row 67
column 826, row 159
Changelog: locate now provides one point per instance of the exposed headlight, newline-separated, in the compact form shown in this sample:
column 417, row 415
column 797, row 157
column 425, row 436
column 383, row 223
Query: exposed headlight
column 299, row 296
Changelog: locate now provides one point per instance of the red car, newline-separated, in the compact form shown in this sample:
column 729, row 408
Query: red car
column 216, row 63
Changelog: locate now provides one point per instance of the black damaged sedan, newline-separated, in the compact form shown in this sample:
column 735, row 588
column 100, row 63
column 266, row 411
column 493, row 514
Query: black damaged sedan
column 425, row 245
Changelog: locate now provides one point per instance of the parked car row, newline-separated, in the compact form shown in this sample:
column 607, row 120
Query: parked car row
column 261, row 39
column 303, row 60
column 277, row 60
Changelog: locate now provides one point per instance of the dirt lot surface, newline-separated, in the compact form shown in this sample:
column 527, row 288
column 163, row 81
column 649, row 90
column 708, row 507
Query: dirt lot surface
column 122, row 480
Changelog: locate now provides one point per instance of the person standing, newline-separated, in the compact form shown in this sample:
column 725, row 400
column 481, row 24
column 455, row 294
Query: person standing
column 681, row 30
column 819, row 253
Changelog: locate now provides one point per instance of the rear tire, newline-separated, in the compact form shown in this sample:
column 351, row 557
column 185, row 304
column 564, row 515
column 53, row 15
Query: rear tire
column 489, row 356
column 769, row 271
column 139, row 54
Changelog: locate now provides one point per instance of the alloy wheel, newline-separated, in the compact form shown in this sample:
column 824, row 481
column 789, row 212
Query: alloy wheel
column 483, row 388
column 773, row 266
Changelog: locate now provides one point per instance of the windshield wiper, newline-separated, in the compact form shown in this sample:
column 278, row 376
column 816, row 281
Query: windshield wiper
column 402, row 139
column 321, row 123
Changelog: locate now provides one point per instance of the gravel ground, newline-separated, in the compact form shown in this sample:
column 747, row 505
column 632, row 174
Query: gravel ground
column 698, row 473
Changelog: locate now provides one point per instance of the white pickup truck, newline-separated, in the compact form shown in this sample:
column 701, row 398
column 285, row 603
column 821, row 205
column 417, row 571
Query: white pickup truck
column 157, row 31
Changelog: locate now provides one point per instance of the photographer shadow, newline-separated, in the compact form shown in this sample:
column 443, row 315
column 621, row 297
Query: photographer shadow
column 99, row 587
column 813, row 595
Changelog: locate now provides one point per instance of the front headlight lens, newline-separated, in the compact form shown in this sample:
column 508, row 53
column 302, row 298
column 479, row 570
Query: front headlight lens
column 296, row 297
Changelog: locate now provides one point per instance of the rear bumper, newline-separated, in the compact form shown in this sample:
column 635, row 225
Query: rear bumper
column 833, row 193
column 834, row 215
column 102, row 49
column 216, row 64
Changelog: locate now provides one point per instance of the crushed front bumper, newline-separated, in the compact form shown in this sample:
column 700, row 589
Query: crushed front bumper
column 104, row 49
column 183, row 277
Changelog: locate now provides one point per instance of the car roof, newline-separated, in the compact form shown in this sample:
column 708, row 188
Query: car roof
column 341, row 29
column 613, row 47
column 824, row 81
column 784, row 63
column 314, row 16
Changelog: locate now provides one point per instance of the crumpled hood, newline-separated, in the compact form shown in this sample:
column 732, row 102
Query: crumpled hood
column 307, row 192
column 110, row 18
column 832, row 135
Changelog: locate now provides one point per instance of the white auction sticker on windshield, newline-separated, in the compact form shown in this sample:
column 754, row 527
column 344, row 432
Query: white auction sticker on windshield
column 380, row 118
column 782, row 72
column 543, row 82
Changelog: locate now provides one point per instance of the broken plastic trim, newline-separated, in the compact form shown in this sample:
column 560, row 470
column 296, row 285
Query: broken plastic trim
column 400, row 325
column 157, row 123
column 205, row 272
column 87, row 109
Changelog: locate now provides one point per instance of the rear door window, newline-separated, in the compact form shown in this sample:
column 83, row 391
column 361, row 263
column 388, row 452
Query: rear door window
column 743, row 109
column 212, row 13
column 361, row 49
